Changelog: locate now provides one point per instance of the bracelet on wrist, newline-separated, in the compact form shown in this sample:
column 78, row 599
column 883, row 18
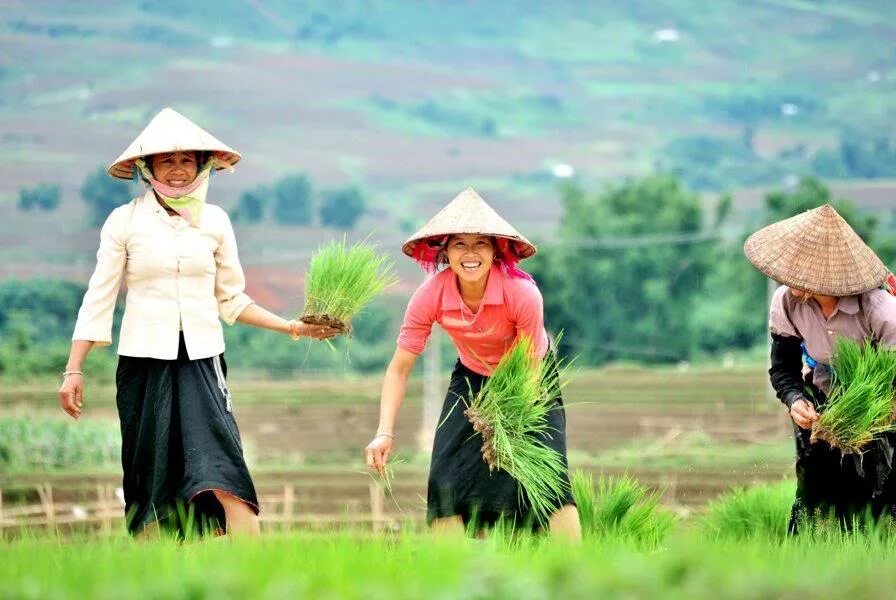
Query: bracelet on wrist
column 383, row 433
column 66, row 373
column 294, row 330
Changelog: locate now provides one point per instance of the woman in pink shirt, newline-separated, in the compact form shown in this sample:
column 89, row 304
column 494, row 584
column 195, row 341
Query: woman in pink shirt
column 832, row 288
column 484, row 303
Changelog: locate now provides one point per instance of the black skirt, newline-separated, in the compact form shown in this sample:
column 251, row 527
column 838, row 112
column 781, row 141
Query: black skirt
column 460, row 483
column 179, row 441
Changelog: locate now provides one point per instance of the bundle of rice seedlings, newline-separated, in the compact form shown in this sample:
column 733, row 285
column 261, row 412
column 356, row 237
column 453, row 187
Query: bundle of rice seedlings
column 860, row 405
column 620, row 508
column 757, row 512
column 341, row 280
column 510, row 412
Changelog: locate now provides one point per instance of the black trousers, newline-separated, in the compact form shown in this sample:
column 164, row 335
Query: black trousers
column 847, row 487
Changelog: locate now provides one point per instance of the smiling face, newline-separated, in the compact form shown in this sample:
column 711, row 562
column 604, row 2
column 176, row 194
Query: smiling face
column 470, row 256
column 176, row 169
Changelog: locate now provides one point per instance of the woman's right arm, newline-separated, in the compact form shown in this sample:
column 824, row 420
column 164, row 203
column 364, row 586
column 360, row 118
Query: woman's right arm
column 786, row 378
column 72, row 390
column 94, row 325
column 395, row 384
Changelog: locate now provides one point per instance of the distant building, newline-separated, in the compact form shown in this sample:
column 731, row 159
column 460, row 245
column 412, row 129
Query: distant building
column 666, row 35
column 788, row 109
column 563, row 171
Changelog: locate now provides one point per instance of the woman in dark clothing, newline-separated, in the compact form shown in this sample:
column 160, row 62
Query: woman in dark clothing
column 484, row 303
column 832, row 288
column 178, row 255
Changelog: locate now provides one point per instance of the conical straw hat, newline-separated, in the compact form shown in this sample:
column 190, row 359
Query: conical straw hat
column 469, row 213
column 170, row 131
column 818, row 252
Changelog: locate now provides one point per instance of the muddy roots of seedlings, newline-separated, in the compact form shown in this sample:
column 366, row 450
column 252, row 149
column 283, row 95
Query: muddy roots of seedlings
column 327, row 321
column 487, row 431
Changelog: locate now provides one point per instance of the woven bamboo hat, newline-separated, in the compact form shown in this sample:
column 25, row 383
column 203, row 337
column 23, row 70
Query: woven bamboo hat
column 469, row 213
column 170, row 131
column 818, row 252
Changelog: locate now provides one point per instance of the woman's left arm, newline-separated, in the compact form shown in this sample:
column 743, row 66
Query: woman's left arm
column 233, row 303
column 258, row 317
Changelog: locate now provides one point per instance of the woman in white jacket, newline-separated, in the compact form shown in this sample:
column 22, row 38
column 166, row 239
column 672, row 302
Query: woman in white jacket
column 178, row 256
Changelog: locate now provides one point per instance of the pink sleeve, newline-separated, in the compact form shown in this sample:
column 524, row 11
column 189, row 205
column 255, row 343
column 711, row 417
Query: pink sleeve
column 527, row 310
column 419, row 317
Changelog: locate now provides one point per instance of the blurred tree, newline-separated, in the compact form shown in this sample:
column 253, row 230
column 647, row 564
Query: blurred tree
column 858, row 156
column 342, row 207
column 293, row 200
column 616, row 296
column 250, row 207
column 43, row 196
column 103, row 194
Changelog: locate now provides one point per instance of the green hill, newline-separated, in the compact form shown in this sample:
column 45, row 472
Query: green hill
column 414, row 99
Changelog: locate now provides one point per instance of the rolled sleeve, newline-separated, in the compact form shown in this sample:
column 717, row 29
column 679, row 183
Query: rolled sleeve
column 94, row 322
column 230, row 282
column 418, row 319
column 529, row 315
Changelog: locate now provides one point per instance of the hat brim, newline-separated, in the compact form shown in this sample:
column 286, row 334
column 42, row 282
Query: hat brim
column 124, row 169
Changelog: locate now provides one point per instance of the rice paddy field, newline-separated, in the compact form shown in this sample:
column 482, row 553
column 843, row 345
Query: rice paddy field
column 689, row 470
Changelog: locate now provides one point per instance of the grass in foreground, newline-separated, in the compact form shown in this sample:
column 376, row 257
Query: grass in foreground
column 621, row 508
column 759, row 512
column 341, row 280
column 372, row 567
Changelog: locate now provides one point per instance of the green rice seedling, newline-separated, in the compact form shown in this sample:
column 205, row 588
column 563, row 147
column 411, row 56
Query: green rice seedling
column 383, row 480
column 621, row 508
column 760, row 512
column 860, row 405
column 510, row 412
column 341, row 280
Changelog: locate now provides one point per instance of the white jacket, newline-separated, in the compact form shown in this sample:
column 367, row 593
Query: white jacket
column 178, row 278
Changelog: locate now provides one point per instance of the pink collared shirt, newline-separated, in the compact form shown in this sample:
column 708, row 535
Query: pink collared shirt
column 510, row 308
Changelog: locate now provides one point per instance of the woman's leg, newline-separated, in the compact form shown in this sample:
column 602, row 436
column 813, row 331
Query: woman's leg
column 447, row 526
column 241, row 519
column 564, row 524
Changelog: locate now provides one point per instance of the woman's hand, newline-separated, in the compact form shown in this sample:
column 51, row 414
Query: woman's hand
column 803, row 413
column 71, row 394
column 299, row 329
column 378, row 451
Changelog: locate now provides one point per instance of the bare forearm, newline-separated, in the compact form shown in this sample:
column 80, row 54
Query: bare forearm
column 77, row 355
column 258, row 317
column 395, row 386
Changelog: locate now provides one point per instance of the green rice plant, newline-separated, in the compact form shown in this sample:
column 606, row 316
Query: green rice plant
column 860, row 405
column 621, row 508
column 510, row 412
column 759, row 511
column 341, row 280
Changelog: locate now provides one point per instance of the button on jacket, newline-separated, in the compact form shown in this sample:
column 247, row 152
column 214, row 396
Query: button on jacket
column 178, row 278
